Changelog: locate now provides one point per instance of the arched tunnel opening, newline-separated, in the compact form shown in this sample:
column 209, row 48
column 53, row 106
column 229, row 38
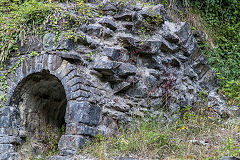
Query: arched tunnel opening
column 41, row 101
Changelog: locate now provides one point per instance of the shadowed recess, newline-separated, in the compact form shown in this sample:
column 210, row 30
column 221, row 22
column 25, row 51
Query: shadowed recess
column 41, row 101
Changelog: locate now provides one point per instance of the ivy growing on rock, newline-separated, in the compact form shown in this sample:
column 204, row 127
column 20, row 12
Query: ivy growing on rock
column 220, row 21
column 223, row 19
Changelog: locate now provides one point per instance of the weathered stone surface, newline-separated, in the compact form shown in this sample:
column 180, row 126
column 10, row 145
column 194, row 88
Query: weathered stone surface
column 200, row 66
column 230, row 158
column 168, row 47
column 115, row 114
column 190, row 46
column 105, row 66
column 72, row 55
column 120, row 106
column 137, row 19
column 4, row 117
column 93, row 29
column 122, row 86
column 50, row 42
column 64, row 43
column 75, row 81
column 71, row 142
column 126, row 69
column 63, row 70
column 127, row 73
column 31, row 44
column 9, row 117
column 108, row 22
column 160, row 10
column 112, row 53
column 125, row 16
column 6, row 148
column 9, row 156
column 81, row 129
column 86, row 40
column 113, row 78
column 138, row 91
column 80, row 93
column 209, row 80
column 108, row 126
column 190, row 72
column 128, row 25
column 9, row 140
column 79, row 86
column 127, row 40
column 176, row 32
column 9, row 131
column 82, row 112
column 107, row 33
column 109, row 7
column 153, row 46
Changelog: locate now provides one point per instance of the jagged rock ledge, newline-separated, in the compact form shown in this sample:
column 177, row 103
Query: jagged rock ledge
column 111, row 73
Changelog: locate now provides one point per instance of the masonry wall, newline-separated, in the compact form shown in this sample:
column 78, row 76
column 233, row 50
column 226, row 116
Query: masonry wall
column 111, row 75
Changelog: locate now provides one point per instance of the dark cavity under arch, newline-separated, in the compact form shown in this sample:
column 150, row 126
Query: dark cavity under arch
column 41, row 100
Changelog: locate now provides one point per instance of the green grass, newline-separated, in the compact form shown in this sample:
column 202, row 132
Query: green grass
column 152, row 139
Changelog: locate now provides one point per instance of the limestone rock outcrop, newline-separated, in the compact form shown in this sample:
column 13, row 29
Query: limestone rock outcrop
column 130, row 61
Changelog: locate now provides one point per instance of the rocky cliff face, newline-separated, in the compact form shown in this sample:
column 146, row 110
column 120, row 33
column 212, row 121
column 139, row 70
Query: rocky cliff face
column 132, row 61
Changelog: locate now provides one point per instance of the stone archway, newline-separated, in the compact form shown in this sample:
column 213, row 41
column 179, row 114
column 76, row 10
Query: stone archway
column 49, row 90
column 41, row 101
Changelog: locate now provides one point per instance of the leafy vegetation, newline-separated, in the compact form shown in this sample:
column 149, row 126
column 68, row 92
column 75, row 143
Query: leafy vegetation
column 223, row 19
column 16, row 21
column 219, row 21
